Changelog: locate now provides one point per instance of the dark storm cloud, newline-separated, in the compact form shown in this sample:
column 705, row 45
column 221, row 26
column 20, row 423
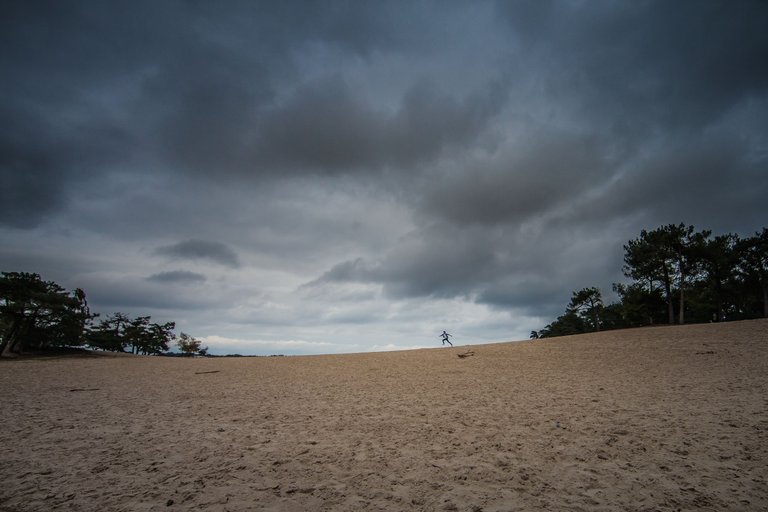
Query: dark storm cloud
column 141, row 297
column 440, row 261
column 325, row 126
column 640, row 133
column 534, row 295
column 532, row 270
column 39, row 162
column 28, row 188
column 202, row 109
column 519, row 144
column 177, row 276
column 91, row 86
column 706, row 181
column 666, row 65
column 214, row 252
column 530, row 178
column 64, row 63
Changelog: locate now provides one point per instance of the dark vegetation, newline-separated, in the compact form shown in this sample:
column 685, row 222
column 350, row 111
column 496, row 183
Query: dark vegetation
column 679, row 275
column 41, row 316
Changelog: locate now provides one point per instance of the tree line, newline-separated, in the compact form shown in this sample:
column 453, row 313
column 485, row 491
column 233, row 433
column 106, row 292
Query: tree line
column 678, row 275
column 38, row 315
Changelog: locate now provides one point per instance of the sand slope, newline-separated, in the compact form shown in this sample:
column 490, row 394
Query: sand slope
column 666, row 418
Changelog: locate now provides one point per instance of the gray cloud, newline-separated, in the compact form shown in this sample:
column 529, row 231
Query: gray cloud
column 490, row 155
column 141, row 297
column 325, row 126
column 347, row 271
column 531, row 177
column 177, row 276
column 428, row 263
column 536, row 294
column 214, row 252
column 676, row 182
column 671, row 67
column 39, row 162
column 532, row 270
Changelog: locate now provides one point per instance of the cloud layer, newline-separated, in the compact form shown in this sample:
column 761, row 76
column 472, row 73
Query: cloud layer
column 213, row 252
column 366, row 174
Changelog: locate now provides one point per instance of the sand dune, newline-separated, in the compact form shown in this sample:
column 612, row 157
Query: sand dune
column 666, row 418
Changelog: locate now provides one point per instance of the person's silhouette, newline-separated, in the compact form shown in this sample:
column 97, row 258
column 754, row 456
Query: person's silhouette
column 445, row 337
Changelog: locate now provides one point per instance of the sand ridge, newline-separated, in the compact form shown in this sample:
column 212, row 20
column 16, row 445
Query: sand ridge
column 664, row 418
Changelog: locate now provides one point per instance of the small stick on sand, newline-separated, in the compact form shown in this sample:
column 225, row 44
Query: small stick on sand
column 212, row 371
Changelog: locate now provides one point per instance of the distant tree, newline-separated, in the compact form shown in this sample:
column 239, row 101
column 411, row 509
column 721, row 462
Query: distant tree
column 136, row 333
column 161, row 335
column 119, row 333
column 534, row 335
column 564, row 325
column 37, row 314
column 688, row 247
column 189, row 345
column 709, row 278
column 612, row 317
column 147, row 338
column 588, row 303
column 639, row 305
column 669, row 255
column 109, row 334
column 753, row 264
column 647, row 261
column 719, row 260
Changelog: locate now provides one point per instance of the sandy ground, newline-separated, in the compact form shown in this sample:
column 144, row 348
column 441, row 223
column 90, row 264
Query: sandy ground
column 666, row 418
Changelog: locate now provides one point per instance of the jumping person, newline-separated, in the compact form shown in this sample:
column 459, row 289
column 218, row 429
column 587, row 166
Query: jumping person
column 445, row 336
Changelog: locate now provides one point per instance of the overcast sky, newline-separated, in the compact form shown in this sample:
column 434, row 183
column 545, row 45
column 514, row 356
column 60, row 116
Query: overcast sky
column 318, row 177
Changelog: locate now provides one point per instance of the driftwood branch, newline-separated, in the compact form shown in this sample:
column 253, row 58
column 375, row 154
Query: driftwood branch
column 212, row 371
column 468, row 353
